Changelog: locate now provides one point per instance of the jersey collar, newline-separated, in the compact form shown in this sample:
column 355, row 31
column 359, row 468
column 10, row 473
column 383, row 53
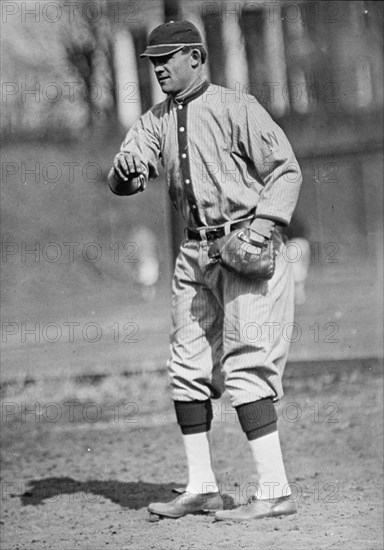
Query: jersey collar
column 193, row 94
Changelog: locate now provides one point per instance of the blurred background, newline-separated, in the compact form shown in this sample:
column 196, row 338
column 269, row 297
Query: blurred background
column 86, row 275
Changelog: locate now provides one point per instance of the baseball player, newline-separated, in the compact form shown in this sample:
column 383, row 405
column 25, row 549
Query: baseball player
column 232, row 173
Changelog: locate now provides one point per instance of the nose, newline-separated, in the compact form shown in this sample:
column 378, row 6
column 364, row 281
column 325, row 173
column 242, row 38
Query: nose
column 158, row 65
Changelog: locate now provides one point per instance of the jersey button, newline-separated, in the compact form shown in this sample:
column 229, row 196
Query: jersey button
column 182, row 129
column 187, row 181
column 184, row 155
column 180, row 107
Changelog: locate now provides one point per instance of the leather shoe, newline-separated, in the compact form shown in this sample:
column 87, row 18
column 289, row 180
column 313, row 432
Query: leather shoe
column 257, row 509
column 187, row 503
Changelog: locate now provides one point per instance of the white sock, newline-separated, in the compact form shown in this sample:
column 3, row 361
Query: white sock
column 270, row 471
column 201, row 477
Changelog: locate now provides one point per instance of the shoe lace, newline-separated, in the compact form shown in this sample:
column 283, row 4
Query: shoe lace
column 252, row 498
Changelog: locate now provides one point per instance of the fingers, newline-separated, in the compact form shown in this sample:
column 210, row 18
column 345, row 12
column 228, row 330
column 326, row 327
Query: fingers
column 120, row 167
column 256, row 238
column 127, row 165
column 143, row 182
column 133, row 163
column 262, row 227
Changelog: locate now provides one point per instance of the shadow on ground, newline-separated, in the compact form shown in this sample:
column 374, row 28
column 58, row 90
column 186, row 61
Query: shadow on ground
column 133, row 495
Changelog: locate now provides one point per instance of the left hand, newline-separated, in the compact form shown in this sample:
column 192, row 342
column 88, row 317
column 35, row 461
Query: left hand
column 262, row 227
column 247, row 253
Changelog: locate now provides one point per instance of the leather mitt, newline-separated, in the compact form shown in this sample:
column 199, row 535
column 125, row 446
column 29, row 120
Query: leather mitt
column 245, row 252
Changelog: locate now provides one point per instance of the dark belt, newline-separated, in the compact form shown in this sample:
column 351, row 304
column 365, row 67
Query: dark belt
column 217, row 233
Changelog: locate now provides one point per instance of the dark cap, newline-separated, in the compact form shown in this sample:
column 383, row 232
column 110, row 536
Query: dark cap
column 171, row 37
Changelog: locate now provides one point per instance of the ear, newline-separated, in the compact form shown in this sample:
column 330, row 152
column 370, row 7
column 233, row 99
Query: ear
column 195, row 58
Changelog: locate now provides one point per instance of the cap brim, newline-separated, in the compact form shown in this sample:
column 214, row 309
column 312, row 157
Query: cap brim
column 160, row 51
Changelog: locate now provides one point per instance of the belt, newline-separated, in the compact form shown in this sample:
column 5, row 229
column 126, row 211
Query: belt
column 216, row 233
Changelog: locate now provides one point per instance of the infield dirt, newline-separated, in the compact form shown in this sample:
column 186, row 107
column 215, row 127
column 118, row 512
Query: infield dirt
column 83, row 480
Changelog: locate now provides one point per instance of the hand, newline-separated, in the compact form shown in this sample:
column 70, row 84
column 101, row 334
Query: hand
column 127, row 166
column 240, row 252
column 261, row 229
column 251, row 237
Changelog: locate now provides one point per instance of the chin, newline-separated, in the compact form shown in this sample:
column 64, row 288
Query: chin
column 169, row 88
column 166, row 88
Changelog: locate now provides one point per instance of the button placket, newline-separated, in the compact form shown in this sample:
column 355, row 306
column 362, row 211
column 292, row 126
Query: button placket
column 184, row 162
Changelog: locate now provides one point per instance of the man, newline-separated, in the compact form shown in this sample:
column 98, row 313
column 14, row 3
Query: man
column 228, row 166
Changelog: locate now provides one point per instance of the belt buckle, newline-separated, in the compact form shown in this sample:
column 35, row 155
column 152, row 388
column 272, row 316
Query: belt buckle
column 213, row 234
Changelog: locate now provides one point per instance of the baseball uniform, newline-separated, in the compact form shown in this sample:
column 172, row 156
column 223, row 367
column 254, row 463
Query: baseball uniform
column 225, row 161
column 228, row 167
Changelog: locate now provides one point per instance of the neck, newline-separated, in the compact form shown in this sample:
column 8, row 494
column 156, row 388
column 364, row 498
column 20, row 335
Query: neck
column 196, row 82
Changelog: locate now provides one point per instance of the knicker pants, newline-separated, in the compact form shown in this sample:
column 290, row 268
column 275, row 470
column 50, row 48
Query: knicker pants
column 228, row 331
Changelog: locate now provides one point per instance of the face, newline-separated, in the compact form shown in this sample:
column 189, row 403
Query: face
column 174, row 72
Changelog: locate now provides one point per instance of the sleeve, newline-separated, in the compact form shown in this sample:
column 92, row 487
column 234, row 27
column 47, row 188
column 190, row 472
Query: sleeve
column 265, row 144
column 143, row 139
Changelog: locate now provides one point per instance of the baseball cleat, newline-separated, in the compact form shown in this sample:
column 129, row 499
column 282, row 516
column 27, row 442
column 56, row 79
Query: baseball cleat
column 257, row 509
column 178, row 490
column 153, row 518
column 186, row 503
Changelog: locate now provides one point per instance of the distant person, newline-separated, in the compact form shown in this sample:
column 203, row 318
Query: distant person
column 146, row 267
column 233, row 175
column 299, row 253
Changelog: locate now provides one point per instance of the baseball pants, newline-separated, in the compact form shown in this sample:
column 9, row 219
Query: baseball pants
column 228, row 332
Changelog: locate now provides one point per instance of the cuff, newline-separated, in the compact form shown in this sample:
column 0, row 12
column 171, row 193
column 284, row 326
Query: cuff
column 194, row 416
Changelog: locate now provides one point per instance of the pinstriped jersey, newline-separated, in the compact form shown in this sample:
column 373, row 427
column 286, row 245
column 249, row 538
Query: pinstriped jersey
column 224, row 157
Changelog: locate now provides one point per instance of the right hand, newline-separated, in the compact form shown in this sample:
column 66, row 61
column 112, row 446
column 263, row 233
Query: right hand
column 128, row 167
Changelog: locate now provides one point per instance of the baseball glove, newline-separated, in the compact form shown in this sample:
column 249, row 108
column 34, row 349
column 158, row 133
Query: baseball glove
column 247, row 253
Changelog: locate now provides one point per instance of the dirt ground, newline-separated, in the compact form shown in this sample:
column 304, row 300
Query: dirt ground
column 79, row 472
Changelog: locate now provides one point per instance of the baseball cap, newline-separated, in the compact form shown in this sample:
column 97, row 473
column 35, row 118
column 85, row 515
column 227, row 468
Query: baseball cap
column 171, row 37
